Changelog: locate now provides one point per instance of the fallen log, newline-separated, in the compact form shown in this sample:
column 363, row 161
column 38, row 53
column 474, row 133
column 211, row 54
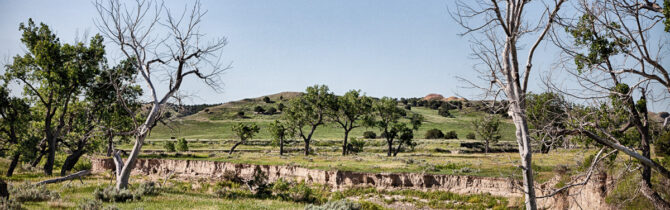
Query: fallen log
column 65, row 178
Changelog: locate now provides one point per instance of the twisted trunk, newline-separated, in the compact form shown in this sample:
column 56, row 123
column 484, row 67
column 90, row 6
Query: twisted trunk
column 232, row 149
column 70, row 161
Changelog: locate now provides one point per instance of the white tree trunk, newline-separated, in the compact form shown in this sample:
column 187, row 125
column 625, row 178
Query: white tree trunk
column 123, row 169
column 526, row 154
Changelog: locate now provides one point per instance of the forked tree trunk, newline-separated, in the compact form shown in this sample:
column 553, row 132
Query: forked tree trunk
column 123, row 169
column 390, row 149
column 307, row 147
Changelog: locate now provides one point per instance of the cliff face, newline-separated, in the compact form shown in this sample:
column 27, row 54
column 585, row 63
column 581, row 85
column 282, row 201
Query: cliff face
column 589, row 196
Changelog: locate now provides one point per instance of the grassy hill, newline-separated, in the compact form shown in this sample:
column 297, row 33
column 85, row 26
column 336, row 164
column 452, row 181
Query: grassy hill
column 215, row 122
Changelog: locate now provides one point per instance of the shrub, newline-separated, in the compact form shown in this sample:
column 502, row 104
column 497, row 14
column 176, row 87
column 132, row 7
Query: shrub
column 470, row 135
column 29, row 192
column 82, row 164
column 662, row 145
column 451, row 135
column 267, row 99
column 300, row 192
column 408, row 107
column 271, row 111
column 343, row 204
column 169, row 146
column 259, row 109
column 147, row 188
column 240, row 113
column 280, row 189
column 111, row 194
column 280, row 107
column 9, row 204
column 444, row 112
column 90, row 204
column 356, row 145
column 434, row 134
column 369, row 135
column 182, row 145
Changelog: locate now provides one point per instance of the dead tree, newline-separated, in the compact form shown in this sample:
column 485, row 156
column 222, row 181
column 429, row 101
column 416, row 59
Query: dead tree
column 160, row 43
column 496, row 28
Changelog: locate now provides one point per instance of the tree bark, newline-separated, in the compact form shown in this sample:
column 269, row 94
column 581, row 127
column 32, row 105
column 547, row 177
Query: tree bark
column 486, row 147
column 390, row 145
column 307, row 147
column 51, row 151
column 232, row 149
column 65, row 178
column 523, row 141
column 12, row 165
column 395, row 153
column 38, row 158
column 344, row 144
column 70, row 161
column 281, row 146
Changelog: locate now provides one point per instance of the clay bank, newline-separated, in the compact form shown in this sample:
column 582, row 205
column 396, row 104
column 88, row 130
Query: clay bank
column 589, row 196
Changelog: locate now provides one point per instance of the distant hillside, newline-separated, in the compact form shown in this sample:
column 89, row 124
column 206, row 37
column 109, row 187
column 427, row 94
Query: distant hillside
column 230, row 110
column 435, row 96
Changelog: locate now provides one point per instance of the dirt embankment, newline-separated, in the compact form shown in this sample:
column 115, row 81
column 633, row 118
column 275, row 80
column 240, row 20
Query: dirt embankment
column 590, row 196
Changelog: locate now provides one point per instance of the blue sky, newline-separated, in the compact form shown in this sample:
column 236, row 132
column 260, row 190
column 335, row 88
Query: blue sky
column 385, row 48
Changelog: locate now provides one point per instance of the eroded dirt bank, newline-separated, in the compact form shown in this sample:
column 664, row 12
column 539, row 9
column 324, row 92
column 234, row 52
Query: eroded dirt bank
column 590, row 196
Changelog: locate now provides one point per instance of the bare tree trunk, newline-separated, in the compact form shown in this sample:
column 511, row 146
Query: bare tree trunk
column 51, row 152
column 390, row 145
column 12, row 165
column 523, row 141
column 486, row 148
column 38, row 158
column 307, row 147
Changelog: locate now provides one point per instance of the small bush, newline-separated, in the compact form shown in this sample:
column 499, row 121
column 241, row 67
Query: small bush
column 662, row 145
column 280, row 107
column 408, row 107
column 90, row 204
column 9, row 204
column 343, row 204
column 444, row 112
column 147, row 188
column 434, row 134
column 280, row 189
column 271, row 111
column 470, row 136
column 232, row 193
column 240, row 113
column 369, row 135
column 267, row 99
column 259, row 109
column 182, row 145
column 300, row 192
column 169, row 146
column 83, row 164
column 29, row 192
column 356, row 145
column 111, row 194
column 451, row 135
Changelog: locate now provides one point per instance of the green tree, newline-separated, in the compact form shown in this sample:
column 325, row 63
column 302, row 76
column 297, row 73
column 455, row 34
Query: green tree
column 54, row 75
column 488, row 128
column 14, row 127
column 182, row 145
column 244, row 132
column 280, row 131
column 169, row 146
column 387, row 119
column 307, row 112
column 348, row 111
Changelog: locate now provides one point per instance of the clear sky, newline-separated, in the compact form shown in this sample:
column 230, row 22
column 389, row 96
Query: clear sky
column 385, row 48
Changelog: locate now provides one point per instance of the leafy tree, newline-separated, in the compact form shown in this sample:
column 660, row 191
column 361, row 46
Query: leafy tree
column 271, row 111
column 488, row 128
column 387, row 119
column 307, row 112
column 348, row 111
column 280, row 107
column 280, row 131
column 15, row 127
column 267, row 100
column 169, row 146
column 244, row 132
column 54, row 74
column 182, row 145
